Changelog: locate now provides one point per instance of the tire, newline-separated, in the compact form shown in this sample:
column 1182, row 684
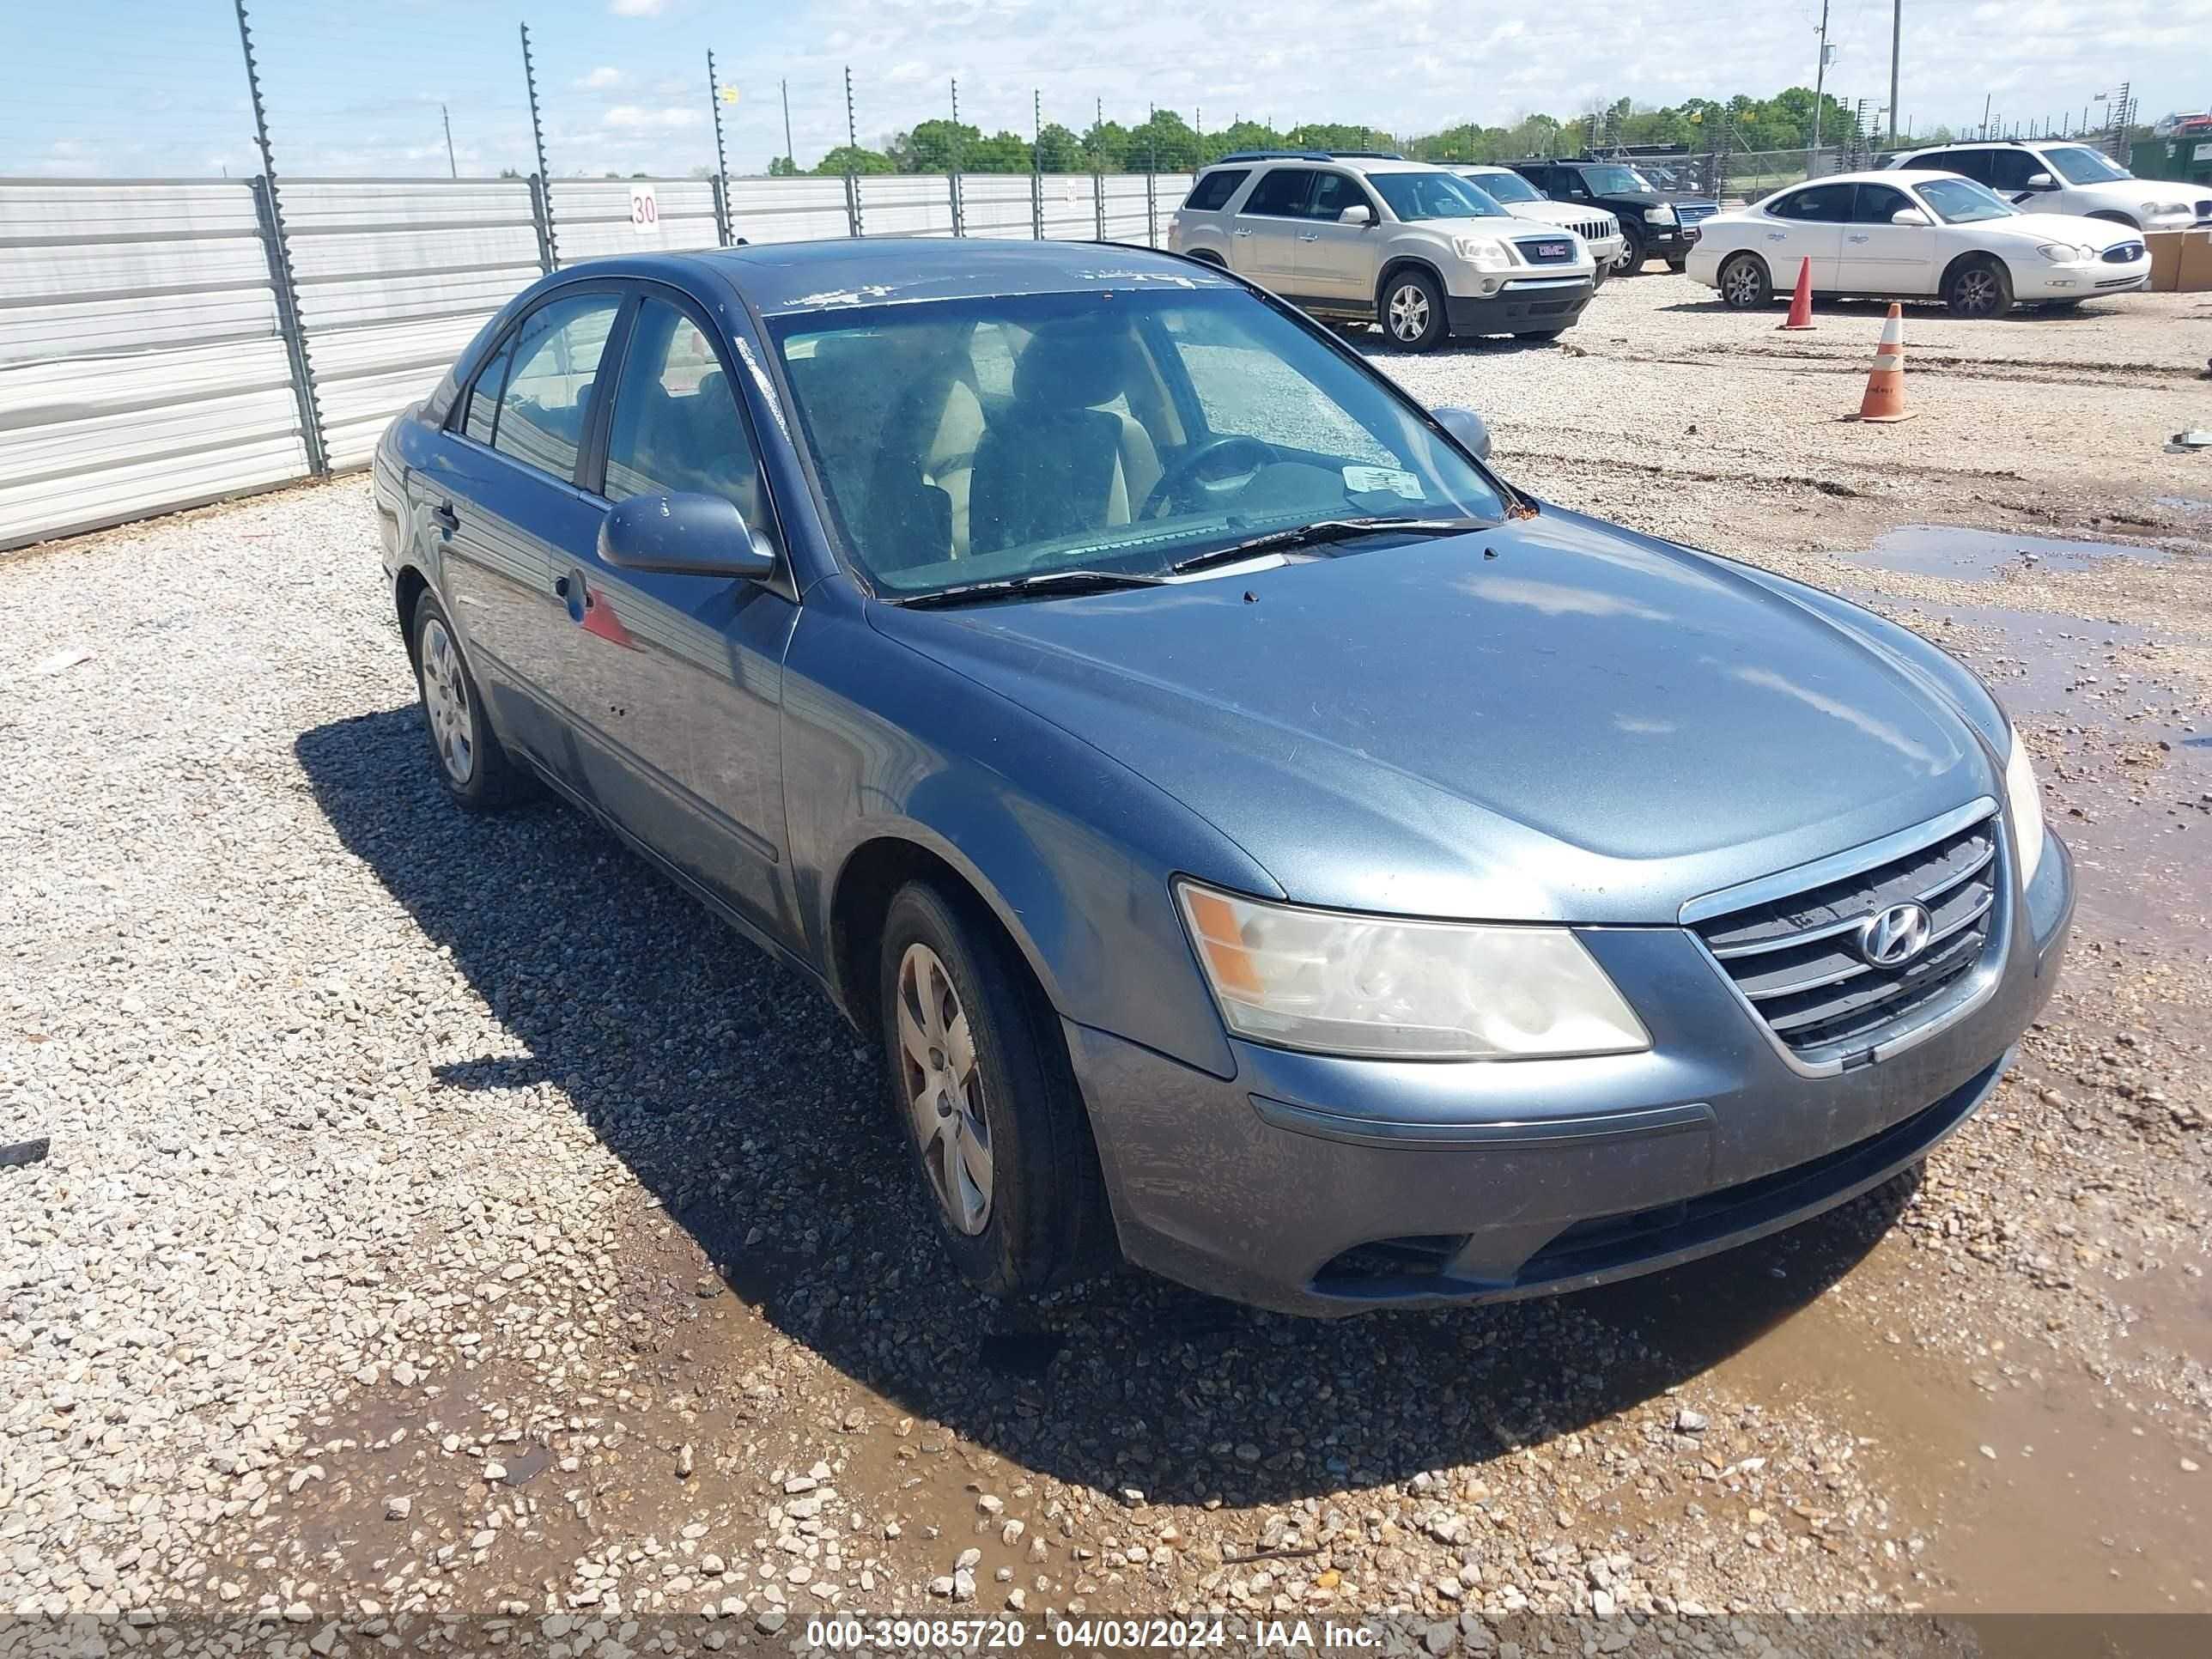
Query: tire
column 1979, row 288
column 471, row 763
column 1632, row 253
column 1539, row 334
column 1009, row 1168
column 1745, row 284
column 1678, row 266
column 1412, row 311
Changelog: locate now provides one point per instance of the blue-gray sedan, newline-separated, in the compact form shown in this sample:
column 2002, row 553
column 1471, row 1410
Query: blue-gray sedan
column 1260, row 837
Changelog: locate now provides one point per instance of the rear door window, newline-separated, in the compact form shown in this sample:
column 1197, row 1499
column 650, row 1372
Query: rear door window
column 1212, row 193
column 1281, row 194
column 548, row 396
column 1973, row 164
column 482, row 413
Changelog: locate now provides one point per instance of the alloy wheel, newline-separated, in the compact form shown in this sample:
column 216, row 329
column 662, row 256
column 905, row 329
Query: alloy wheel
column 446, row 701
column 1977, row 293
column 1409, row 312
column 944, row 1089
column 1740, row 286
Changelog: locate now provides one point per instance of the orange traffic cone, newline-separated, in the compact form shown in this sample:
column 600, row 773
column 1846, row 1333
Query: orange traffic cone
column 1885, row 388
column 1801, row 302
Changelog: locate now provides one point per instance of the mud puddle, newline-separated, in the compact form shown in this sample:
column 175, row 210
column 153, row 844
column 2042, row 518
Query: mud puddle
column 1983, row 555
column 2029, row 1484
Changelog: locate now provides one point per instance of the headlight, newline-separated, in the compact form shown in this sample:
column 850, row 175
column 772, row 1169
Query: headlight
column 1659, row 215
column 1336, row 983
column 2165, row 209
column 2025, row 801
column 1483, row 253
column 2065, row 253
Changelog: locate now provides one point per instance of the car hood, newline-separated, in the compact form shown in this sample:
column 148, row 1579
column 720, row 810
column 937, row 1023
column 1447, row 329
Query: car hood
column 2130, row 193
column 1553, row 720
column 2098, row 233
column 1557, row 213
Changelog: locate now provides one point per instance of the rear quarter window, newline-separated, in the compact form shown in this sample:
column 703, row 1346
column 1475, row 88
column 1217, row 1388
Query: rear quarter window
column 1212, row 193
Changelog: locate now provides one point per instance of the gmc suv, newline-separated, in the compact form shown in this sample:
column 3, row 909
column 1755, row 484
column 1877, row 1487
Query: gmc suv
column 1370, row 237
column 1649, row 221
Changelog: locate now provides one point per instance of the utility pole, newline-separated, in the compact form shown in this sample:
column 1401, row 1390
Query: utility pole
column 785, row 87
column 1985, row 114
column 452, row 171
column 1896, row 38
column 1820, row 76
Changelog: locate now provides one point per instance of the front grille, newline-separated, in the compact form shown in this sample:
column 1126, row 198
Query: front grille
column 1691, row 213
column 2204, row 212
column 1591, row 230
column 1796, row 958
column 1548, row 250
column 2121, row 253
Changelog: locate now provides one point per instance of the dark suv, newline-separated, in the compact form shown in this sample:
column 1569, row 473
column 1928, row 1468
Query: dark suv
column 1649, row 223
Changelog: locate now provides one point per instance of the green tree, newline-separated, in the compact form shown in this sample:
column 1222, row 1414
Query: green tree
column 1059, row 150
column 854, row 158
column 782, row 167
column 936, row 147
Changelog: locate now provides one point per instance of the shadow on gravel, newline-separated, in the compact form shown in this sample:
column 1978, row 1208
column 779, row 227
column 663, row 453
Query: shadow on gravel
column 744, row 1104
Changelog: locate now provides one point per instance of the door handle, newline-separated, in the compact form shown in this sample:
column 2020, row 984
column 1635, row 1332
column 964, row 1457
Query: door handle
column 1240, row 232
column 1858, row 239
column 1309, row 236
column 445, row 518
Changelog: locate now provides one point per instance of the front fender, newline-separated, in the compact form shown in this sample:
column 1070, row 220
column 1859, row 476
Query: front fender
column 1072, row 852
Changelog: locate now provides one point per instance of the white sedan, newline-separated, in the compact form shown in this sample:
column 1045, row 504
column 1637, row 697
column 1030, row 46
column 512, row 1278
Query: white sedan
column 1913, row 235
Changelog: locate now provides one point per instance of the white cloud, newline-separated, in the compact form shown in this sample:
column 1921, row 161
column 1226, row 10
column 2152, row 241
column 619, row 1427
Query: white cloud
column 637, row 118
column 599, row 79
column 636, row 8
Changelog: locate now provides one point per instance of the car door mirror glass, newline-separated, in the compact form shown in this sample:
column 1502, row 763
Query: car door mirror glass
column 1469, row 427
column 2041, row 181
column 683, row 535
column 1358, row 213
column 1910, row 215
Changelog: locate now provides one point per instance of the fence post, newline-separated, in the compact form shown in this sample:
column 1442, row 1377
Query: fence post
column 541, row 215
column 1151, row 211
column 1098, row 201
column 721, row 212
column 287, row 324
column 852, row 205
column 959, row 228
column 1036, row 205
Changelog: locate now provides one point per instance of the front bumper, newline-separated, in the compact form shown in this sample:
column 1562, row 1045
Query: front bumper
column 1323, row 1186
column 1521, row 306
column 2074, row 282
column 1669, row 242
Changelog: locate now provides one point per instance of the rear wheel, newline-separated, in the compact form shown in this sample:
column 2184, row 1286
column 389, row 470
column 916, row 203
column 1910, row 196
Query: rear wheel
column 1979, row 287
column 979, row 1079
column 1745, row 284
column 1413, row 311
column 471, row 764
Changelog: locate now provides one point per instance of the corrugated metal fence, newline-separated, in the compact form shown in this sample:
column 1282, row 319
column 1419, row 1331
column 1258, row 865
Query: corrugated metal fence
column 151, row 358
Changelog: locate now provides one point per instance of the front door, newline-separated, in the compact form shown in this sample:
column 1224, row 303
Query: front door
column 673, row 683
column 1882, row 258
column 1336, row 261
column 1263, row 242
column 1807, row 224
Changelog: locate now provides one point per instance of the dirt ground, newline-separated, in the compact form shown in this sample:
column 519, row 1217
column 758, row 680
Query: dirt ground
column 603, row 1294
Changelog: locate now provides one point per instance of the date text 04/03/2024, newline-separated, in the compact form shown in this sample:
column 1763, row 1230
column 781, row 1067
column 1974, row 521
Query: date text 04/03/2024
column 860, row 1633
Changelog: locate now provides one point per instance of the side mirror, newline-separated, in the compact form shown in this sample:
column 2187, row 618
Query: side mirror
column 683, row 535
column 2041, row 181
column 1908, row 216
column 1467, row 427
column 1358, row 213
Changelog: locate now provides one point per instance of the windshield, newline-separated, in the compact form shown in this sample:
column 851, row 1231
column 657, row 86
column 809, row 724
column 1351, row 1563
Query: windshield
column 1961, row 201
column 1434, row 196
column 1615, row 181
column 959, row 441
column 2084, row 167
column 1505, row 186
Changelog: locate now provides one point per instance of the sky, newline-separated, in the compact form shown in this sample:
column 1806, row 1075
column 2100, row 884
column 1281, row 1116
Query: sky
column 157, row 88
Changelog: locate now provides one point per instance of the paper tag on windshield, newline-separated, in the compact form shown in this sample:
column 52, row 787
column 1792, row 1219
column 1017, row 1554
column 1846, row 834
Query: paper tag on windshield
column 1364, row 480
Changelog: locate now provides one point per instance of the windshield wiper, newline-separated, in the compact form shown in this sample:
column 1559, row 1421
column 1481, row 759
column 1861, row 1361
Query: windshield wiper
column 1042, row 581
column 1325, row 530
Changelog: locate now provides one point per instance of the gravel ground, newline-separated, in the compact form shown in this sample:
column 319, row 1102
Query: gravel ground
column 443, row 1215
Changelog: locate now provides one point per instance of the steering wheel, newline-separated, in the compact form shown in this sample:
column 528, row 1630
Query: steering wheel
column 1188, row 471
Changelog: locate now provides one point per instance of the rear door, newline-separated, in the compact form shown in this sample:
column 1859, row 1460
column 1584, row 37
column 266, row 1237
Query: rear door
column 1882, row 258
column 673, row 683
column 1263, row 244
column 500, row 496
column 1807, row 224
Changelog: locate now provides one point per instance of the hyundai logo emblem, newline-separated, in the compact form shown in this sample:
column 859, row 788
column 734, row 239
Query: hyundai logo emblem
column 1892, row 937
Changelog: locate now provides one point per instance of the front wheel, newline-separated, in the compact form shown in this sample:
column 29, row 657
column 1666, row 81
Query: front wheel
column 1413, row 311
column 980, row 1078
column 1980, row 288
column 1744, row 283
column 1678, row 266
column 1632, row 254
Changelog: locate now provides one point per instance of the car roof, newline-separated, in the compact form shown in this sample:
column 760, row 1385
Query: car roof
column 1883, row 176
column 784, row 277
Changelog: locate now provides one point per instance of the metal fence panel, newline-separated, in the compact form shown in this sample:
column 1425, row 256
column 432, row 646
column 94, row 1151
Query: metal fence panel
column 807, row 208
column 905, row 204
column 593, row 218
column 995, row 205
column 140, row 366
column 395, row 276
